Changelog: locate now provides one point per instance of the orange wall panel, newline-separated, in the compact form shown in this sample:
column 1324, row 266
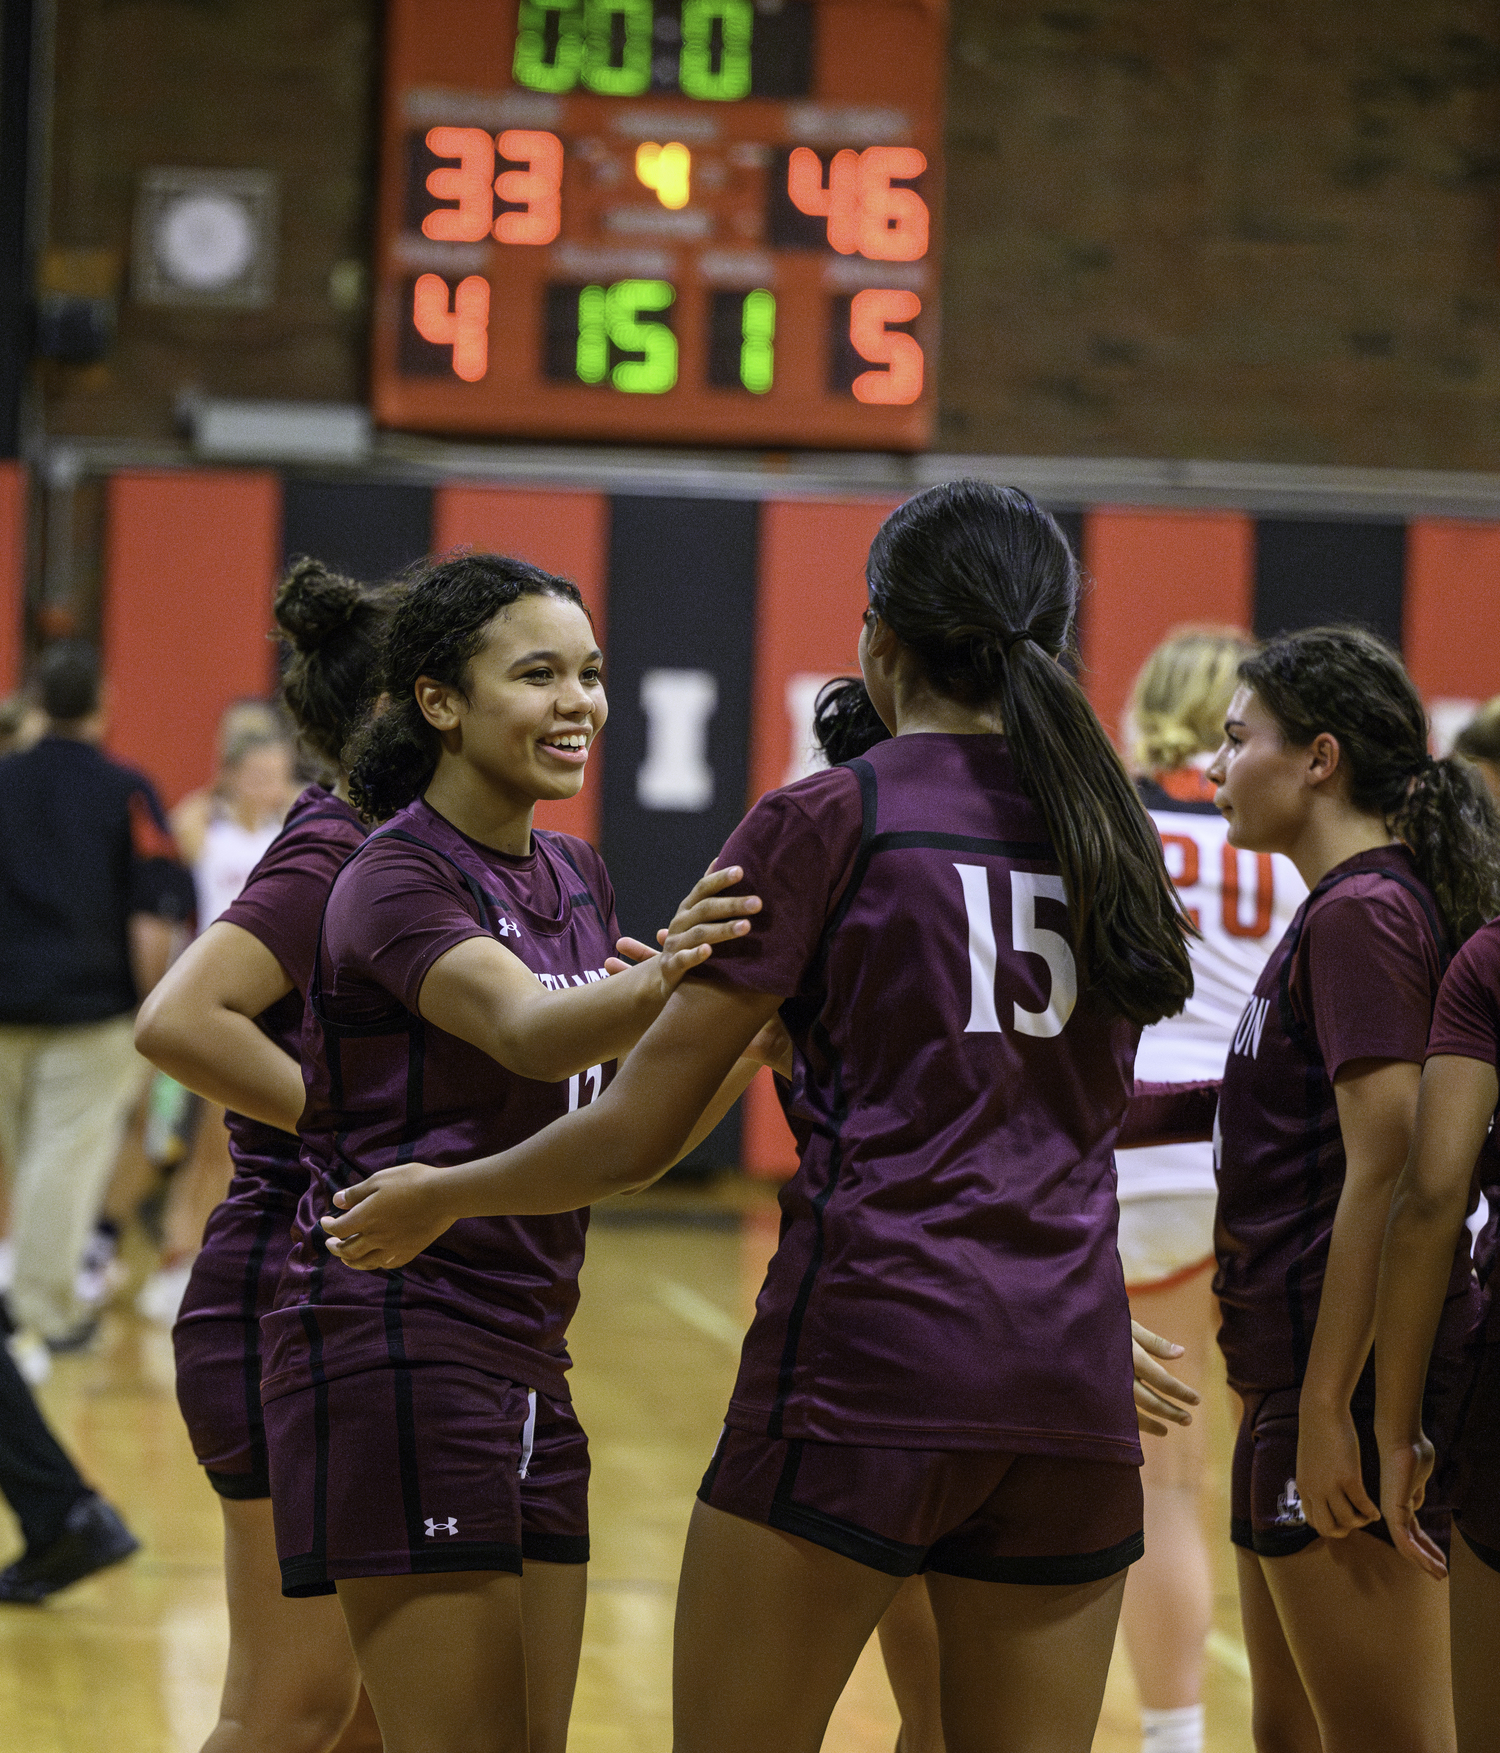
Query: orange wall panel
column 1451, row 613
column 12, row 572
column 1152, row 571
column 191, row 565
column 812, row 594
column 566, row 533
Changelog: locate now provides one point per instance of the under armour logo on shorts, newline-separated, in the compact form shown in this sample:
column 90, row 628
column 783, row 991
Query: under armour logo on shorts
column 1289, row 1508
column 435, row 1528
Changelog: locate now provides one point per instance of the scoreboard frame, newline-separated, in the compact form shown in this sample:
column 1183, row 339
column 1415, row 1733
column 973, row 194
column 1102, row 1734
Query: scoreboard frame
column 757, row 270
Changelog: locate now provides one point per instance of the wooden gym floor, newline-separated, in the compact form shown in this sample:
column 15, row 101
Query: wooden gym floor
column 133, row 1659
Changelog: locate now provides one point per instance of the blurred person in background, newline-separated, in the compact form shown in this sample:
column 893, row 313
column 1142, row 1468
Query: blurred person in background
column 91, row 893
column 223, row 831
column 1241, row 904
column 1479, row 742
column 22, row 721
column 69, row 1530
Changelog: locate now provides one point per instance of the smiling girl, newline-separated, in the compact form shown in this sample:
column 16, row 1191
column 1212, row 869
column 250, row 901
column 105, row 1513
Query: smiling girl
column 425, row 1460
column 1325, row 759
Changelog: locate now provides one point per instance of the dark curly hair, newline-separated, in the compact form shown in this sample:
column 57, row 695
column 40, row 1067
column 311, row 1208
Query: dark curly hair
column 334, row 628
column 1351, row 684
column 845, row 723
column 980, row 584
column 439, row 625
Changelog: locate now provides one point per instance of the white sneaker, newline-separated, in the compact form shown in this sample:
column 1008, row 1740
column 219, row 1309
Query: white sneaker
column 29, row 1353
column 101, row 1273
column 160, row 1297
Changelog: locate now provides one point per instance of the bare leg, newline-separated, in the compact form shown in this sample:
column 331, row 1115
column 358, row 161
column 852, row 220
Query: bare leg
column 1476, row 1647
column 909, row 1644
column 769, row 1628
column 1369, row 1634
column 552, row 1603
column 1024, row 1665
column 1169, row 1597
column 292, row 1682
column 363, row 1732
column 1281, row 1719
column 443, row 1659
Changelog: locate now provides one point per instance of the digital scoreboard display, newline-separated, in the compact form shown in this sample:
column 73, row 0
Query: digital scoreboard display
column 672, row 221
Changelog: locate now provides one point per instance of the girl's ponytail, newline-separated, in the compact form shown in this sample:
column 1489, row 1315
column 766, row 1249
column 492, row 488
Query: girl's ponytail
column 335, row 629
column 1450, row 822
column 980, row 583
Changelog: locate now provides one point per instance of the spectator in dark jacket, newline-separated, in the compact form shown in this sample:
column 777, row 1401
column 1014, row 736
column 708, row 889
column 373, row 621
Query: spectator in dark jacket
column 91, row 892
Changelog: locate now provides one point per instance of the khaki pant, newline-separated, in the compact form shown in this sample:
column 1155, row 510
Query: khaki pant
column 65, row 1097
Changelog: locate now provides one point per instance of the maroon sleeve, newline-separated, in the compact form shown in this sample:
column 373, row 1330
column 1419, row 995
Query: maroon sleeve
column 589, row 865
column 1368, row 975
column 1466, row 1023
column 1170, row 1113
column 282, row 902
column 797, row 847
column 391, row 915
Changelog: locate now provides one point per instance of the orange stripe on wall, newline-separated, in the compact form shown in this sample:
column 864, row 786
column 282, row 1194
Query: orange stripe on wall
column 1451, row 631
column 191, row 565
column 1152, row 571
column 12, row 573
column 812, row 594
column 566, row 533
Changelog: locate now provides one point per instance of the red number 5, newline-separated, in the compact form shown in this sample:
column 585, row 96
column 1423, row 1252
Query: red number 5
column 901, row 382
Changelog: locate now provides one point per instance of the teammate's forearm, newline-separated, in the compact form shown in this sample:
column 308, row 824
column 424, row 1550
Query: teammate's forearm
column 559, row 1034
column 729, row 1092
column 1345, row 1327
column 1415, row 1266
column 1170, row 1113
column 226, row 1058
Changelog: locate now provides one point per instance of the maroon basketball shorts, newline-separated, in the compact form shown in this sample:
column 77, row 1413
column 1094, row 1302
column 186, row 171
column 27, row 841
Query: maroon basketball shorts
column 1477, row 1495
column 217, row 1342
column 423, row 1469
column 1265, row 1509
column 996, row 1518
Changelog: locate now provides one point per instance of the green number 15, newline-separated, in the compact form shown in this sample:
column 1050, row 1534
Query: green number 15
column 612, row 315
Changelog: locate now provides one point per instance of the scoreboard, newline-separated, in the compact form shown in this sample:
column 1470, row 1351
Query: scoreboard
column 679, row 221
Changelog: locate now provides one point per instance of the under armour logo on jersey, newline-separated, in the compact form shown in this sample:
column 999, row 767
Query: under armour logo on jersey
column 506, row 927
column 435, row 1528
column 1289, row 1507
column 1247, row 1035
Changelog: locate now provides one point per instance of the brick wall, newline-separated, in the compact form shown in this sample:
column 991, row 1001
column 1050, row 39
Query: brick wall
column 1245, row 229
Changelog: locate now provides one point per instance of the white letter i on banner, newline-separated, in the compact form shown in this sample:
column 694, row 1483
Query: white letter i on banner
column 983, row 1017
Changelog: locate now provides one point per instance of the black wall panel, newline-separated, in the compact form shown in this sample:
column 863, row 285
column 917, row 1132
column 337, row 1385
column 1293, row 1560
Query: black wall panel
column 368, row 529
column 1309, row 573
column 682, row 600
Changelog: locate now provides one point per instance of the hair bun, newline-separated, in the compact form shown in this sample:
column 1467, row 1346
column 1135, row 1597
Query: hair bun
column 314, row 602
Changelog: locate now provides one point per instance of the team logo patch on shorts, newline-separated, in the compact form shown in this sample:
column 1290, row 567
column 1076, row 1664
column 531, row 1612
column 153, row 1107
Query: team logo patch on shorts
column 434, row 1528
column 1289, row 1508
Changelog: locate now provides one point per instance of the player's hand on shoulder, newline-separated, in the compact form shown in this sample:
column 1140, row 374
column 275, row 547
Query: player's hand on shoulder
column 1158, row 1393
column 1330, row 1481
column 1405, row 1468
column 388, row 1219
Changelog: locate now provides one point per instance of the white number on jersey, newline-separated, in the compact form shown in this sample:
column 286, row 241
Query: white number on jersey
column 591, row 1080
column 1027, row 937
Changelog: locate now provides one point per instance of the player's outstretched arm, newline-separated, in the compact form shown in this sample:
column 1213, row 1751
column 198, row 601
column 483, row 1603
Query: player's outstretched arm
column 1457, row 1098
column 486, row 996
column 619, row 1144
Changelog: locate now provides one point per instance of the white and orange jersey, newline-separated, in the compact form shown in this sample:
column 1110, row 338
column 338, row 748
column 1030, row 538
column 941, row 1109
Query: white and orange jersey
column 1242, row 903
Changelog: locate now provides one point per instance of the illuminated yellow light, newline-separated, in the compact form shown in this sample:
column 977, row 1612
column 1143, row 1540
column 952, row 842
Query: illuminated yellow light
column 666, row 169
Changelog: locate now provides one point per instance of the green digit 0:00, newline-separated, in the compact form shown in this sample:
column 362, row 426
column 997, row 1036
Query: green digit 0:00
column 607, row 45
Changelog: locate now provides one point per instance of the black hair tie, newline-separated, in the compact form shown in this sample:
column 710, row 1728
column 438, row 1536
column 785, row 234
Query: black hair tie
column 1017, row 638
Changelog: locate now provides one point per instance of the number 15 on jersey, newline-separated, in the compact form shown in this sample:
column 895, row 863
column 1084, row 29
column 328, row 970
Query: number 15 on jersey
column 1027, row 938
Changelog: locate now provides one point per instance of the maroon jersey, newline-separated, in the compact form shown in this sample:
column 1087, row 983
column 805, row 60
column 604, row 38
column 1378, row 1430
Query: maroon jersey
column 281, row 904
column 1355, row 977
column 947, row 1275
column 385, row 1086
column 1466, row 1024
